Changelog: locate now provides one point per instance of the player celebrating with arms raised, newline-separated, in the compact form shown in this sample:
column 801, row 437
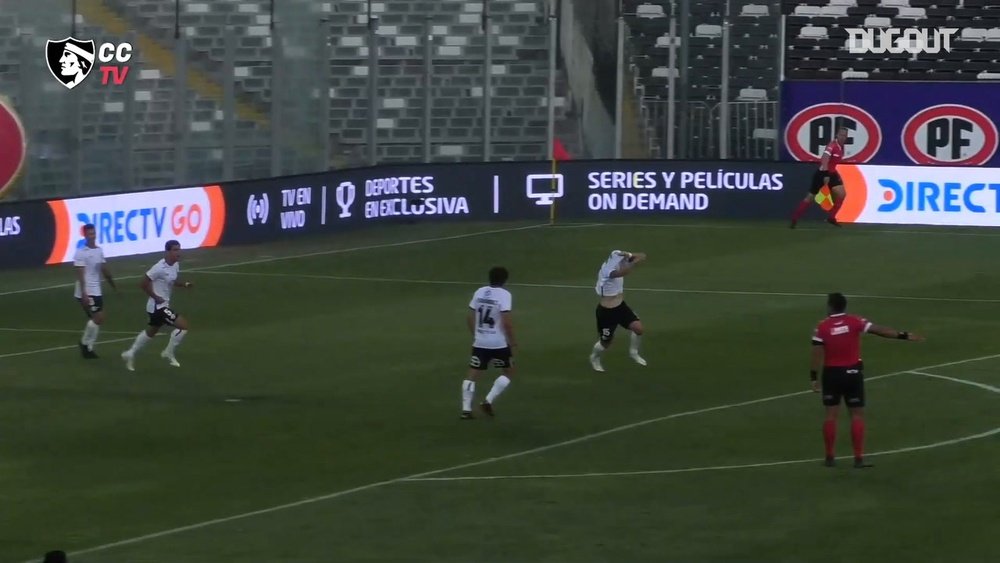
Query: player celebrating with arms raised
column 612, row 311
column 837, row 348
column 827, row 175
column 159, row 283
column 490, row 323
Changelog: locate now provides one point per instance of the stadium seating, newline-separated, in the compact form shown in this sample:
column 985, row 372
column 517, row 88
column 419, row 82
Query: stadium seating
column 520, row 75
column 817, row 39
column 815, row 47
column 755, row 48
column 520, row 84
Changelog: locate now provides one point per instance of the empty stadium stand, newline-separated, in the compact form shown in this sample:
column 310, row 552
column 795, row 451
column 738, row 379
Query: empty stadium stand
column 815, row 48
column 817, row 39
column 276, row 58
column 753, row 78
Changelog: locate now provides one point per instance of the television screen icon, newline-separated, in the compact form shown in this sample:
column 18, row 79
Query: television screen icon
column 545, row 189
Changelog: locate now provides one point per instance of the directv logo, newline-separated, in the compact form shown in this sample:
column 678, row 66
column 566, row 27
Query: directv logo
column 257, row 209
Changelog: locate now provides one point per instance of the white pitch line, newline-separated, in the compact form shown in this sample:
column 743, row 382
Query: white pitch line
column 859, row 228
column 42, row 288
column 940, row 444
column 590, row 287
column 957, row 380
column 57, row 348
column 522, row 453
column 59, row 330
column 296, row 256
column 369, row 247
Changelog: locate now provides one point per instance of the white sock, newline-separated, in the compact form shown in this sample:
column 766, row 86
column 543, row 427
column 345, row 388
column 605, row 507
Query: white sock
column 175, row 339
column 468, row 390
column 140, row 341
column 635, row 341
column 498, row 386
column 90, row 334
column 598, row 349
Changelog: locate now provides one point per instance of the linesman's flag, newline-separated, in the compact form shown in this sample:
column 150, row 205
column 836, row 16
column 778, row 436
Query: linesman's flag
column 825, row 198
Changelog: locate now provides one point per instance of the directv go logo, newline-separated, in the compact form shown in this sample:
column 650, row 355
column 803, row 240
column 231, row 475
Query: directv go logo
column 140, row 222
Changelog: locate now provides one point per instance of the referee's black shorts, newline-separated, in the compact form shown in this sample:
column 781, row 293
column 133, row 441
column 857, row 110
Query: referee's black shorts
column 844, row 384
column 818, row 183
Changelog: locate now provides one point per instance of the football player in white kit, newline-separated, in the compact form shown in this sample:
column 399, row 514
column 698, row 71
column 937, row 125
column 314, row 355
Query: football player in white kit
column 612, row 311
column 158, row 283
column 90, row 265
column 489, row 321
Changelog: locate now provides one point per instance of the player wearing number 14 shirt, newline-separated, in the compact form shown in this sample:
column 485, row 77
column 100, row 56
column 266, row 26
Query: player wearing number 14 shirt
column 489, row 321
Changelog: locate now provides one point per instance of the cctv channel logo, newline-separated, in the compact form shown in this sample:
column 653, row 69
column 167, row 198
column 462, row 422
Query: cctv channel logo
column 545, row 189
column 257, row 209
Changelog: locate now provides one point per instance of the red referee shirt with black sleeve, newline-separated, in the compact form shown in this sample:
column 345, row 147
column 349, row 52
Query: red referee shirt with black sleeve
column 840, row 337
column 835, row 152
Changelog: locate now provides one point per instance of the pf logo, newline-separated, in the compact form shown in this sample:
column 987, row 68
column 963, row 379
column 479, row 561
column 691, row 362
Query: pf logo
column 347, row 192
column 13, row 146
column 545, row 189
column 811, row 129
column 257, row 209
column 951, row 135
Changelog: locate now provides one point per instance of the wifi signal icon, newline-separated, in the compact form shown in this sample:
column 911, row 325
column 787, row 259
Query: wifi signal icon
column 257, row 209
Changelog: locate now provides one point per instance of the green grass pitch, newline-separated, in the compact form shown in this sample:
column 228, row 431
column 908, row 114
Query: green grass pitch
column 328, row 371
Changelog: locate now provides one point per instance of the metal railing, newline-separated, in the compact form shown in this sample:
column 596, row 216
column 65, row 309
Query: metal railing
column 296, row 88
column 752, row 126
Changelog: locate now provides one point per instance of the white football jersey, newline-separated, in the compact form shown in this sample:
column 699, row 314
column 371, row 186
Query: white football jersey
column 488, row 303
column 90, row 259
column 608, row 286
column 163, row 276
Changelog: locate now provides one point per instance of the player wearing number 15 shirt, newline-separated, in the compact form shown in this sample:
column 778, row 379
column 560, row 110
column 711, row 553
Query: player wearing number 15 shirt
column 489, row 321
column 612, row 310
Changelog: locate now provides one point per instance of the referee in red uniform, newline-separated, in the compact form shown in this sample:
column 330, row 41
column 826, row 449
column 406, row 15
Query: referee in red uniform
column 837, row 348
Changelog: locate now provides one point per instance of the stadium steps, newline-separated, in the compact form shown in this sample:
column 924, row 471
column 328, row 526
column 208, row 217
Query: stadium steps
column 97, row 12
column 634, row 144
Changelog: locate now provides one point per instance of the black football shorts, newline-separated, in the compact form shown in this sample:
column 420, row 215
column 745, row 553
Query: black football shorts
column 609, row 319
column 818, row 183
column 844, row 384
